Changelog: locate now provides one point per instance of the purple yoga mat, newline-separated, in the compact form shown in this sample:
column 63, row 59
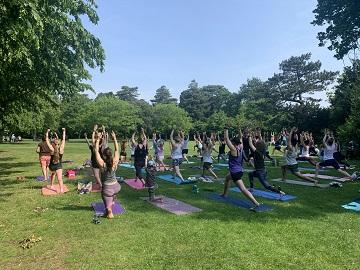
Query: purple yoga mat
column 41, row 178
column 99, row 208
column 134, row 184
column 173, row 206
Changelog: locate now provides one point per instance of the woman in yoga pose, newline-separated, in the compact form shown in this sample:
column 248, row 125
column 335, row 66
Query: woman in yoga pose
column 208, row 147
column 57, row 152
column 305, row 150
column 140, row 154
column 44, row 157
column 290, row 158
column 176, row 154
column 236, row 168
column 108, row 165
column 260, row 171
column 328, row 160
column 94, row 164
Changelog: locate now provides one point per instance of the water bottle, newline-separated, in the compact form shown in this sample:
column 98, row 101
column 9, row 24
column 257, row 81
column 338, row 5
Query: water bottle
column 96, row 219
column 195, row 189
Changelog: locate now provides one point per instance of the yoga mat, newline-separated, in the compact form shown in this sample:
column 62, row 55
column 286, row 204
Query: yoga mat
column 46, row 191
column 134, row 184
column 176, row 180
column 41, row 178
column 268, row 194
column 127, row 165
column 99, row 208
column 222, row 165
column 173, row 206
column 310, row 169
column 301, row 183
column 239, row 202
column 327, row 177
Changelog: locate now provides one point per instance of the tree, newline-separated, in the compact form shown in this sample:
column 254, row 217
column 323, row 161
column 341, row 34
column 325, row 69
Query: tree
column 107, row 94
column 163, row 96
column 217, row 121
column 118, row 115
column 343, row 23
column 299, row 78
column 127, row 93
column 169, row 116
column 45, row 50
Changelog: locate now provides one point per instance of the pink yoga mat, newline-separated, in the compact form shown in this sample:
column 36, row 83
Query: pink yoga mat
column 173, row 206
column 134, row 184
column 46, row 191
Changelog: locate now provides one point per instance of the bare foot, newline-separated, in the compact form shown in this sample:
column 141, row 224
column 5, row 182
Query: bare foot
column 110, row 214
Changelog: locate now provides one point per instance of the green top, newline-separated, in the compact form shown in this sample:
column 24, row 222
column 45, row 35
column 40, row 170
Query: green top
column 108, row 177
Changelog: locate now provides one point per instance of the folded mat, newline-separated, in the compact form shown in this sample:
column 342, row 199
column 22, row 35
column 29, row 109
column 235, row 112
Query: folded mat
column 99, row 208
column 268, row 194
column 239, row 202
column 46, row 191
column 173, row 206
column 176, row 180
column 327, row 177
column 301, row 183
column 135, row 184
column 354, row 205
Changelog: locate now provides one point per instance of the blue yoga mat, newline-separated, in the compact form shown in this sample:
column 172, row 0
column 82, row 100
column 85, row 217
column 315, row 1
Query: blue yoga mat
column 222, row 164
column 310, row 169
column 239, row 202
column 354, row 205
column 268, row 194
column 176, row 180
column 127, row 165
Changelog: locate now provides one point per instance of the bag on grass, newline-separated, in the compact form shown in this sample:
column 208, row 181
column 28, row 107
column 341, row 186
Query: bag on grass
column 84, row 187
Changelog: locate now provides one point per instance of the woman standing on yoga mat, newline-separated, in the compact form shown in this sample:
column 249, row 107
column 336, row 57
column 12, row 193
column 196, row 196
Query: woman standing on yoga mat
column 290, row 158
column 260, row 171
column 44, row 157
column 185, row 147
column 305, row 150
column 329, row 148
column 176, row 155
column 140, row 154
column 108, row 166
column 207, row 158
column 94, row 164
column 57, row 152
column 235, row 167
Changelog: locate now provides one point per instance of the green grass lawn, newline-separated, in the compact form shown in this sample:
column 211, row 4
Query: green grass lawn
column 312, row 232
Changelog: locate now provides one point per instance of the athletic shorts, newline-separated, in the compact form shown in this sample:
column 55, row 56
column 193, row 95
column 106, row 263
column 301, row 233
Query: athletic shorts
column 207, row 165
column 123, row 154
column 95, row 165
column 45, row 160
column 177, row 161
column 55, row 167
column 185, row 151
column 293, row 168
column 330, row 163
column 236, row 176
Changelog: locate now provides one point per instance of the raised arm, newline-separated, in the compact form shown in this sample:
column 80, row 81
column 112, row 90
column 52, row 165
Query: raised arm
column 133, row 139
column 93, row 135
column 325, row 137
column 99, row 160
column 240, row 135
column 116, row 149
column 172, row 138
column 62, row 146
column 48, row 141
column 87, row 140
column 289, row 144
column 144, row 136
column 228, row 143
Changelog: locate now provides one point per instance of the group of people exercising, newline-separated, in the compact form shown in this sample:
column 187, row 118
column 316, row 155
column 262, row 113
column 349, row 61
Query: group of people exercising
column 248, row 146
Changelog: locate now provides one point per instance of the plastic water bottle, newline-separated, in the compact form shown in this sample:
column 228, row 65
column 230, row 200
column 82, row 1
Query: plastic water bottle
column 195, row 189
column 96, row 219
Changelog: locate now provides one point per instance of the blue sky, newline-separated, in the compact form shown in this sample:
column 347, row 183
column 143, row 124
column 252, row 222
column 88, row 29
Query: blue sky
column 149, row 43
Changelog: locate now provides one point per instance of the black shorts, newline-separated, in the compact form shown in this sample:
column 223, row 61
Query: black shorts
column 123, row 154
column 330, row 163
column 303, row 158
column 185, row 151
column 236, row 176
column 55, row 167
column 207, row 165
column 95, row 165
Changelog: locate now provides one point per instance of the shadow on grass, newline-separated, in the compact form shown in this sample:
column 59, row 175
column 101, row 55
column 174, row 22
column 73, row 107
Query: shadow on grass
column 73, row 207
column 5, row 195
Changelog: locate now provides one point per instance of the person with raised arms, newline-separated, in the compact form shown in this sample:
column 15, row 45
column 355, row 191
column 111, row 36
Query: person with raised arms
column 222, row 145
column 44, row 157
column 176, row 154
column 108, row 165
column 56, row 152
column 123, row 151
column 158, row 145
column 185, row 148
column 260, row 170
column 290, row 158
column 330, row 147
column 305, row 150
column 208, row 147
column 94, row 164
column 236, row 168
column 140, row 154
